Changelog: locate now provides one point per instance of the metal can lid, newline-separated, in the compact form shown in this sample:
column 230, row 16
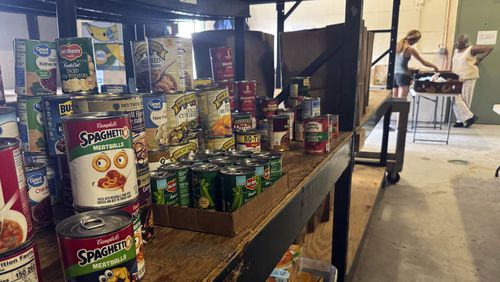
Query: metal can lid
column 222, row 160
column 6, row 142
column 206, row 167
column 300, row 77
column 239, row 154
column 245, row 81
column 193, row 159
column 95, row 115
column 29, row 97
column 174, row 167
column 266, row 155
column 57, row 97
column 93, row 223
column 6, row 110
column 252, row 162
column 33, row 166
column 211, row 152
column 237, row 170
column 160, row 174
column 247, row 132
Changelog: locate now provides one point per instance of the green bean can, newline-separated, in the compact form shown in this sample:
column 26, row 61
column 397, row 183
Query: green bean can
column 205, row 179
column 183, row 180
column 164, row 188
column 275, row 163
column 238, row 187
column 262, row 172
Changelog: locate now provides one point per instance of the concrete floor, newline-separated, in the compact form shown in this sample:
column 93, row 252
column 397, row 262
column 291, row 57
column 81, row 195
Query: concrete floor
column 441, row 222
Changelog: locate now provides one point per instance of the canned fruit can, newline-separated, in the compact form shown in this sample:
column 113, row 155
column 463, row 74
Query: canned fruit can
column 248, row 140
column 299, row 86
column 76, row 64
column 275, row 163
column 171, row 63
column 183, row 180
column 8, row 123
column 101, row 159
column 155, row 116
column 311, row 107
column 182, row 117
column 317, row 135
column 262, row 172
column 38, row 192
column 21, row 264
column 54, row 108
column 194, row 159
column 98, row 246
column 229, row 84
column 267, row 107
column 279, row 133
column 222, row 63
column 17, row 224
column 164, row 188
column 36, row 67
column 223, row 160
column 239, row 186
column 242, row 121
column 158, row 157
column 140, row 60
column 31, row 127
column 215, row 111
column 223, row 143
column 147, row 223
column 205, row 179
column 177, row 151
column 114, row 88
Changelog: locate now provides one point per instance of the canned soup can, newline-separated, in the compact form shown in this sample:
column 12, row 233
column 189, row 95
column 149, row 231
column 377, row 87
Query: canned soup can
column 17, row 224
column 248, row 140
column 101, row 159
column 8, row 123
column 98, row 246
column 31, row 127
column 246, row 93
column 76, row 65
column 21, row 264
column 279, row 133
column 238, row 186
column 182, row 117
column 155, row 116
column 222, row 63
column 38, row 192
column 54, row 108
column 215, row 111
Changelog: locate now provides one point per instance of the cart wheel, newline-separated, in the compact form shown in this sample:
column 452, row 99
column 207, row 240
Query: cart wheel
column 393, row 177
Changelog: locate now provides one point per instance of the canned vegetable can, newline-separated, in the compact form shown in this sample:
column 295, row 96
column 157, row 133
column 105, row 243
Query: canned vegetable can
column 54, row 108
column 238, row 186
column 183, row 180
column 262, row 172
column 164, row 188
column 98, row 246
column 205, row 179
column 31, row 127
column 182, row 117
column 8, row 123
column 38, row 192
column 275, row 163
column 215, row 111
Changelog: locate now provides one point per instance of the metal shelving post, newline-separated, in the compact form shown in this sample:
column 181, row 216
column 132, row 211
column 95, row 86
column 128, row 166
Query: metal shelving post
column 66, row 18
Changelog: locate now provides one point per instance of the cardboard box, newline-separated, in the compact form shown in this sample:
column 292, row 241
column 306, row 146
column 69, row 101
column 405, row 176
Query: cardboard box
column 222, row 223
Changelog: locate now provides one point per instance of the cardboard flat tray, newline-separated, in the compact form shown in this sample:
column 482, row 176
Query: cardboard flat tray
column 222, row 223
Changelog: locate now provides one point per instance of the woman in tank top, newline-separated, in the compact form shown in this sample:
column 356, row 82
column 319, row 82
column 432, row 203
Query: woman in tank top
column 404, row 52
column 465, row 63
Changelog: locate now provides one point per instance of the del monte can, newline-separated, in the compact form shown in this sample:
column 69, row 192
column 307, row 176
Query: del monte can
column 101, row 159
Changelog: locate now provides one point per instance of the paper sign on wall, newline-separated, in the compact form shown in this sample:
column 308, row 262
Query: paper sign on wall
column 486, row 37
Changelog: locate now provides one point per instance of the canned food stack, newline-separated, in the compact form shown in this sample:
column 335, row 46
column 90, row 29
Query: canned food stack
column 221, row 59
column 299, row 87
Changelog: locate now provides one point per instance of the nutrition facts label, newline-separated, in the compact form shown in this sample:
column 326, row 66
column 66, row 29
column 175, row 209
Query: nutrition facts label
column 20, row 267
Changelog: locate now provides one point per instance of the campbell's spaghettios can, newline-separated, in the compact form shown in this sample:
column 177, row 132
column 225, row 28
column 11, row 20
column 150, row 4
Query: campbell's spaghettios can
column 317, row 135
column 229, row 84
column 215, row 112
column 182, row 117
column 299, row 86
column 279, row 133
column 206, row 193
column 242, row 121
column 266, row 107
column 101, row 159
column 248, row 140
column 224, row 143
column 246, row 93
column 21, row 264
column 158, row 157
column 39, row 197
column 222, row 63
column 8, row 123
column 140, row 60
column 54, row 108
column 31, row 127
column 76, row 65
column 98, row 246
column 17, row 224
column 239, row 186
column 183, row 180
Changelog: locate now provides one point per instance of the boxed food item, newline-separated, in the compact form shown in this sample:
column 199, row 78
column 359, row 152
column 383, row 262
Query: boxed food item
column 36, row 67
column 287, row 266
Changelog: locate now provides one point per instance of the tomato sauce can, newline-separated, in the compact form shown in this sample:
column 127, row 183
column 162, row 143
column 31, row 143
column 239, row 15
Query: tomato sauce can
column 140, row 60
column 275, row 160
column 158, row 157
column 17, row 224
column 76, row 65
column 317, row 135
column 279, row 133
column 8, row 123
column 98, row 246
column 205, row 179
column 182, row 117
column 311, row 107
column 266, row 107
column 215, row 111
column 21, row 264
column 183, row 179
column 229, row 84
column 164, row 188
column 101, row 159
column 224, row 143
column 222, row 63
column 262, row 172
column 242, row 121
column 155, row 116
column 54, row 108
column 38, row 192
column 239, row 186
column 246, row 93
column 31, row 127
column 248, row 140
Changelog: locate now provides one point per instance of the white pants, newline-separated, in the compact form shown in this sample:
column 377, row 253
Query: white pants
column 461, row 107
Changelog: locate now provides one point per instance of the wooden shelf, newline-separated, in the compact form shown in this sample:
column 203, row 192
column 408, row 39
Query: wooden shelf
column 376, row 106
column 181, row 255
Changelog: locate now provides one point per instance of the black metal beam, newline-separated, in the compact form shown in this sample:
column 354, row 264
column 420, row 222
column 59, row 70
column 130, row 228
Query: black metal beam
column 297, row 3
column 280, row 18
column 66, row 18
column 33, row 29
column 239, row 46
column 381, row 57
column 128, row 35
column 380, row 30
column 394, row 37
column 140, row 32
